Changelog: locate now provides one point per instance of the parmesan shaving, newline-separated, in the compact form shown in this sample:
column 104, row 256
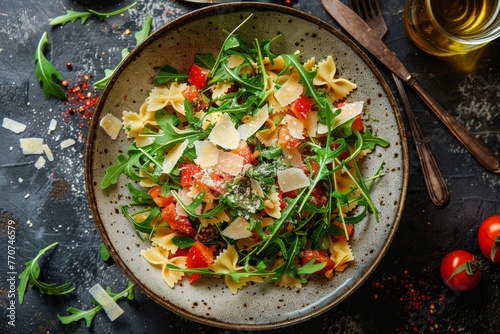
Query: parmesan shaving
column 48, row 152
column 67, row 143
column 248, row 129
column 31, row 145
column 348, row 111
column 291, row 179
column 173, row 156
column 238, row 229
column 224, row 133
column 12, row 125
column 40, row 163
column 295, row 126
column 290, row 91
column 52, row 126
column 206, row 153
column 112, row 309
column 112, row 125
column 229, row 163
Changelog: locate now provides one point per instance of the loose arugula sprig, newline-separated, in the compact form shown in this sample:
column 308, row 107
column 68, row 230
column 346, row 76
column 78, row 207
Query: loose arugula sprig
column 30, row 276
column 45, row 71
column 139, row 37
column 77, row 314
column 72, row 16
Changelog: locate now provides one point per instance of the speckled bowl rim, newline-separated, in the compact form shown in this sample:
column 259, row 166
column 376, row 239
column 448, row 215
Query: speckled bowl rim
column 89, row 161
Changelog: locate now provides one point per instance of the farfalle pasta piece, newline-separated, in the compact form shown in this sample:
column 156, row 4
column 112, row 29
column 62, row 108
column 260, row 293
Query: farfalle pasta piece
column 341, row 253
column 161, row 96
column 160, row 256
column 285, row 281
column 163, row 238
column 227, row 262
column 337, row 88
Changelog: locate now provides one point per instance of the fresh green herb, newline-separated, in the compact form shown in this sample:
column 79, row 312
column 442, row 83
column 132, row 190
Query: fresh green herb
column 30, row 276
column 72, row 16
column 77, row 314
column 45, row 71
column 104, row 253
column 140, row 36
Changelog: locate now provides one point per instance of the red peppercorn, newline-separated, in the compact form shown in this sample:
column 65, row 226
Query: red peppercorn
column 69, row 66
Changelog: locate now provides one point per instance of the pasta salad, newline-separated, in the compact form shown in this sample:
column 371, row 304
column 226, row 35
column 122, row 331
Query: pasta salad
column 246, row 168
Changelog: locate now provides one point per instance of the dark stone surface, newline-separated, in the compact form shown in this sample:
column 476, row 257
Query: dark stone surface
column 405, row 293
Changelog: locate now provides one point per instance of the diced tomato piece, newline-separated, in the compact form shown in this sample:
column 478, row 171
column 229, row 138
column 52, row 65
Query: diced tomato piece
column 339, row 104
column 357, row 124
column 285, row 139
column 199, row 256
column 349, row 228
column 191, row 93
column 244, row 151
column 320, row 255
column 198, row 76
column 176, row 221
column 189, row 173
column 302, row 107
column 181, row 252
column 319, row 195
column 161, row 201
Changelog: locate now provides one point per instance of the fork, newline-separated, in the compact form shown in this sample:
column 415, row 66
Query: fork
column 370, row 12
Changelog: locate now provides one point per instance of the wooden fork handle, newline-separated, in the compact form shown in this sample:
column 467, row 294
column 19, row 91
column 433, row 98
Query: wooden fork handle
column 485, row 155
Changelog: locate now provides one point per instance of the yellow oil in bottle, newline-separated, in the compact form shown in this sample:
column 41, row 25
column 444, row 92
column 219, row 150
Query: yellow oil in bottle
column 448, row 27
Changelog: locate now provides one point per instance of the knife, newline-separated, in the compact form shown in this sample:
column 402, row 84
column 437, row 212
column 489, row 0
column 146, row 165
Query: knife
column 363, row 34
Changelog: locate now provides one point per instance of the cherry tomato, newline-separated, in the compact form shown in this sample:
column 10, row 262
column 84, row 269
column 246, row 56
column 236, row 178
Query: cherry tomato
column 460, row 270
column 198, row 256
column 489, row 238
column 198, row 76
column 320, row 255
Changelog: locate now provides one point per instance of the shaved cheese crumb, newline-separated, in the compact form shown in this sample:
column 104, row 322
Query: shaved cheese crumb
column 292, row 179
column 31, row 145
column 173, row 156
column 290, row 91
column 12, row 125
column 52, row 125
column 112, row 309
column 67, row 143
column 248, row 129
column 229, row 163
column 40, row 163
column 256, row 188
column 238, row 229
column 206, row 153
column 112, row 125
column 224, row 133
column 48, row 152
column 20, row 180
column 295, row 126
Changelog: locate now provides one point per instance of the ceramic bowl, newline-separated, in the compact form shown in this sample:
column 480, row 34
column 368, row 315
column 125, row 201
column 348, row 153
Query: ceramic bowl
column 258, row 306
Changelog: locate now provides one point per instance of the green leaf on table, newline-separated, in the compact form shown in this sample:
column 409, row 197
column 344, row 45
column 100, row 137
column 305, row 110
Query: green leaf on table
column 139, row 37
column 104, row 253
column 72, row 16
column 45, row 71
column 30, row 276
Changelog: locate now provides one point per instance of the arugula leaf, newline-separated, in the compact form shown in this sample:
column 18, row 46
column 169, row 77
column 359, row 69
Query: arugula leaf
column 104, row 253
column 30, row 276
column 140, row 36
column 45, row 71
column 88, row 315
column 72, row 16
column 167, row 74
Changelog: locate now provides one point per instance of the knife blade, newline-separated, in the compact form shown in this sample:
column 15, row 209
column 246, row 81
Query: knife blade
column 363, row 34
